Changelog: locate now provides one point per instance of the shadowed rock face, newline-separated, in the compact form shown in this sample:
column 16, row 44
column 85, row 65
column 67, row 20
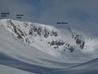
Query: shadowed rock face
column 18, row 32
column 79, row 39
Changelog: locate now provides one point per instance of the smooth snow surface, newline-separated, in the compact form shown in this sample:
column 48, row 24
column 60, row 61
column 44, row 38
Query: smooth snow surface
column 9, row 70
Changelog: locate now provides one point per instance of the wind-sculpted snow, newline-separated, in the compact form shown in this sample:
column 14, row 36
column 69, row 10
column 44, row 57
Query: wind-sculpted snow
column 43, row 49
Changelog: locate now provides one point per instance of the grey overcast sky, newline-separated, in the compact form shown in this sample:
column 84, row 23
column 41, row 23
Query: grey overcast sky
column 81, row 14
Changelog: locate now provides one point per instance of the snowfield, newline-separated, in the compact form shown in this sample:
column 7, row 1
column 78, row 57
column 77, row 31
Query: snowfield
column 9, row 70
column 27, row 48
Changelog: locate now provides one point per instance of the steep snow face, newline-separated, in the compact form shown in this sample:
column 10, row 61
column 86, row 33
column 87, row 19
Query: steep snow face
column 51, row 40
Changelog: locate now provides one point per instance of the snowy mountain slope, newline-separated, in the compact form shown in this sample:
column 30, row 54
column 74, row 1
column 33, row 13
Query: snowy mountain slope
column 70, row 47
column 44, row 49
column 16, row 49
